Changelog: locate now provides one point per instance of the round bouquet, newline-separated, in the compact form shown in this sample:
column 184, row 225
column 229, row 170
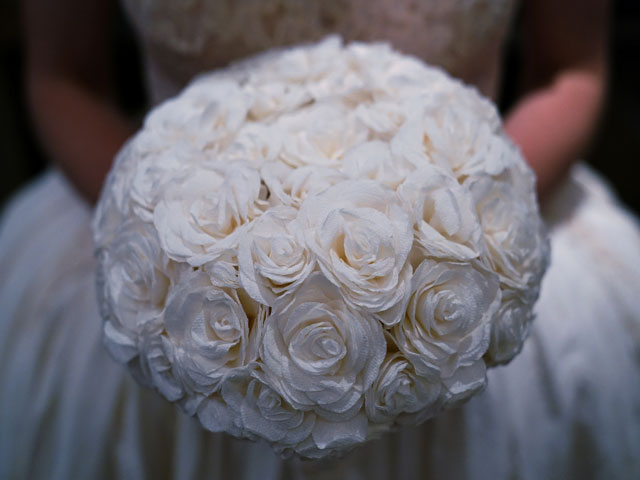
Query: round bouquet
column 317, row 245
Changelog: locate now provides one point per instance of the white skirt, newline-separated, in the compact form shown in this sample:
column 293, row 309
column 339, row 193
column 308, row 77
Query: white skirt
column 567, row 407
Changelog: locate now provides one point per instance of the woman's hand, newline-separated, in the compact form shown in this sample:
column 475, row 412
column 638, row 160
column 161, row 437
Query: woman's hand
column 565, row 69
column 69, row 90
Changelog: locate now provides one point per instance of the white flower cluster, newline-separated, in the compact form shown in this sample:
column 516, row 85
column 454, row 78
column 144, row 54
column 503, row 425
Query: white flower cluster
column 318, row 244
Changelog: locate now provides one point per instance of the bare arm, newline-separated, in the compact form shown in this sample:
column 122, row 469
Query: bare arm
column 68, row 88
column 565, row 66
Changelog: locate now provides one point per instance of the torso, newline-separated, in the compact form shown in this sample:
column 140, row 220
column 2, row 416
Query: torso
column 182, row 38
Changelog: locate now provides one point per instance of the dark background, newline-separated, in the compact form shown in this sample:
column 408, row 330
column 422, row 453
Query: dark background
column 615, row 151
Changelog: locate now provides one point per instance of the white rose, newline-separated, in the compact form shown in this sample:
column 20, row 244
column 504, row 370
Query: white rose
column 464, row 384
column 155, row 365
column 214, row 411
column 406, row 77
column 362, row 236
column 279, row 83
column 459, row 139
column 223, row 271
column 165, row 124
column 319, row 354
column 395, row 78
column 384, row 117
column 468, row 98
column 373, row 160
column 206, row 114
column 411, row 143
column 369, row 58
column 276, row 98
column 155, row 172
column 446, row 224
column 320, row 135
column 290, row 186
column 272, row 262
column 399, row 390
column 214, row 331
column 199, row 218
column 511, row 325
column 374, row 63
column 408, row 144
column 261, row 411
column 329, row 438
column 216, row 416
column 133, row 284
column 513, row 231
column 255, row 143
column 448, row 320
column 338, row 436
column 114, row 206
column 298, row 65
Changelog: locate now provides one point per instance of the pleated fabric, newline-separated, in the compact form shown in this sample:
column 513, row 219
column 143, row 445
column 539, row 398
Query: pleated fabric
column 567, row 407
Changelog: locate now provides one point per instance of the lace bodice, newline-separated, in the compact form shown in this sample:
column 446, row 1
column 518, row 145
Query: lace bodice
column 181, row 38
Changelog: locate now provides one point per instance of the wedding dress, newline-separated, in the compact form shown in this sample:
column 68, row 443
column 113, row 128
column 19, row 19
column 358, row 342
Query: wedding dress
column 567, row 407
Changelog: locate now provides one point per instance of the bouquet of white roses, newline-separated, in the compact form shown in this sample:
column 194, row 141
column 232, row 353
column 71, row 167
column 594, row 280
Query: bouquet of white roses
column 318, row 244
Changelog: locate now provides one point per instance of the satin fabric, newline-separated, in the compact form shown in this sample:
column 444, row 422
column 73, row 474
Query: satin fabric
column 567, row 407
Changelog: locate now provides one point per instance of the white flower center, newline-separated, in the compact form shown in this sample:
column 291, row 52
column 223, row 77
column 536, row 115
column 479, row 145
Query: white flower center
column 317, row 347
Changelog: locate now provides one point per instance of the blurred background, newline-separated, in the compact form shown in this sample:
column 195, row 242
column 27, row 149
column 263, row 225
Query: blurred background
column 615, row 152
